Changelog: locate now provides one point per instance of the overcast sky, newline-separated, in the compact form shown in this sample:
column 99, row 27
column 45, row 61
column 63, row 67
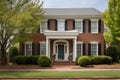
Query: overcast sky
column 98, row 4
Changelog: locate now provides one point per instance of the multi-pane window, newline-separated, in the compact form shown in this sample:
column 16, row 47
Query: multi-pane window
column 78, row 25
column 94, row 26
column 61, row 25
column 28, row 48
column 79, row 49
column 94, row 49
column 43, row 26
column 43, row 48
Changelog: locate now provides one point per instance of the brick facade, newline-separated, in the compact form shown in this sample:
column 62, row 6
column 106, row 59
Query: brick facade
column 85, row 37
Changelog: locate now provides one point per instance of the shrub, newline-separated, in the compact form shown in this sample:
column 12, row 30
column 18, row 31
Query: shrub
column 112, row 52
column 26, row 59
column 44, row 61
column 13, row 51
column 84, row 61
column 101, row 60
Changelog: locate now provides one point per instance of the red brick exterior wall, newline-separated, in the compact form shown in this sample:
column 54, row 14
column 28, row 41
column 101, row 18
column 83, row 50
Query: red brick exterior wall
column 52, row 24
column 85, row 37
column 69, row 24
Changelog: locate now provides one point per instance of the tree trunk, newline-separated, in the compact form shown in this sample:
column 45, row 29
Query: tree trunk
column 3, row 58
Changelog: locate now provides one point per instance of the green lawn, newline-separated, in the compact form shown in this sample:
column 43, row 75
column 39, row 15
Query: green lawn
column 61, row 74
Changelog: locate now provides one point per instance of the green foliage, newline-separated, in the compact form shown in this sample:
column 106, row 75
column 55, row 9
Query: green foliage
column 111, row 18
column 111, row 51
column 26, row 59
column 44, row 61
column 101, row 60
column 84, row 61
column 19, row 20
column 13, row 51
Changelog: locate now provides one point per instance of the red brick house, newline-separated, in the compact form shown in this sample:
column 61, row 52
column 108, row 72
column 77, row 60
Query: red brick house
column 76, row 31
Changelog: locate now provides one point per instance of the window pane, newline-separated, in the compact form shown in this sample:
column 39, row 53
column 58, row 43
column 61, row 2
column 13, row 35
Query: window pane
column 78, row 25
column 93, row 26
column 79, row 50
column 28, row 49
column 43, row 26
column 42, row 48
column 93, row 49
column 61, row 26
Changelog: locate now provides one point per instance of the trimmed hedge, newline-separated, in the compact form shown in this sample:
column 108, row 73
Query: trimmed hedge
column 44, row 61
column 26, row 59
column 84, row 61
column 101, row 60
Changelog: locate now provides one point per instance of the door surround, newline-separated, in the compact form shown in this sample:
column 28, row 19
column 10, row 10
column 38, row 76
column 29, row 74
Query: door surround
column 66, row 46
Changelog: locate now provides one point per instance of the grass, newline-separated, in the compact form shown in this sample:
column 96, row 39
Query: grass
column 60, row 74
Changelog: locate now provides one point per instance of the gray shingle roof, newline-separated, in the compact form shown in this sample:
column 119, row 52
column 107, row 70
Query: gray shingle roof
column 71, row 12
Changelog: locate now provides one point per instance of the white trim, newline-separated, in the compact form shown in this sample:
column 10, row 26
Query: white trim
column 44, row 20
column 81, row 47
column 42, row 42
column 95, row 20
column 29, row 42
column 74, row 48
column 54, row 49
column 61, row 28
column 81, row 21
column 94, row 42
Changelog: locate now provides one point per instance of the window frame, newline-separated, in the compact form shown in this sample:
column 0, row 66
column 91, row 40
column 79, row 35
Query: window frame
column 81, row 43
column 41, row 27
column 96, row 43
column 41, row 48
column 60, row 28
column 94, row 20
column 30, row 43
column 81, row 21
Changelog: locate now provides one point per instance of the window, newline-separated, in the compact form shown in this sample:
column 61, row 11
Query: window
column 61, row 25
column 43, row 48
column 28, row 48
column 94, row 26
column 43, row 26
column 79, row 49
column 78, row 25
column 94, row 49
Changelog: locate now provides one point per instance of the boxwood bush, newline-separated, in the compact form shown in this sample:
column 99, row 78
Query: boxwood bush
column 26, row 59
column 101, row 60
column 44, row 61
column 84, row 61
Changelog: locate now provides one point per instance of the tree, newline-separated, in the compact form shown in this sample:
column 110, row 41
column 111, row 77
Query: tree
column 19, row 19
column 111, row 18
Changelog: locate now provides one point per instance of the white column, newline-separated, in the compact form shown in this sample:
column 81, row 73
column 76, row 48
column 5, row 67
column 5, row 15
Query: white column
column 74, row 49
column 47, row 47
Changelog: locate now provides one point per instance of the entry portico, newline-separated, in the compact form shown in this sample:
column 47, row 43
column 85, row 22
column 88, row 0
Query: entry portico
column 61, row 45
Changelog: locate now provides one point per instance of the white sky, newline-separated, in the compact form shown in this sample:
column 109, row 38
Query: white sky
column 98, row 4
